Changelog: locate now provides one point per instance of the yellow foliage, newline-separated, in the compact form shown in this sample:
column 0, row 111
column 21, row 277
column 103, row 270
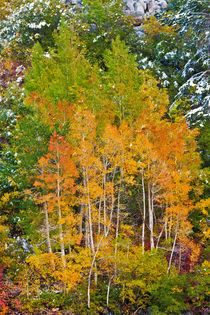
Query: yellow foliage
column 176, row 289
column 203, row 205
column 7, row 197
column 152, row 27
column 206, row 267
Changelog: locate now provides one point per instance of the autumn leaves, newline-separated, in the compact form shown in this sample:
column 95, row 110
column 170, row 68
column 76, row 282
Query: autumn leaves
column 116, row 177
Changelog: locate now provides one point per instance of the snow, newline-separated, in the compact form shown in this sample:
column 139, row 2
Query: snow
column 164, row 75
column 166, row 83
column 47, row 55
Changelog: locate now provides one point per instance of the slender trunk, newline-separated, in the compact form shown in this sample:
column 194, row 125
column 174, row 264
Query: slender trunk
column 170, row 226
column 104, row 204
column 159, row 236
column 166, row 227
column 113, row 201
column 118, row 222
column 91, row 269
column 47, row 229
column 99, row 217
column 59, row 213
column 87, row 234
column 61, row 237
column 180, row 257
column 90, row 228
column 47, row 225
column 84, row 208
column 172, row 251
column 90, row 217
column 108, row 291
column 151, row 223
column 111, row 213
column 144, row 213
column 96, row 274
column 81, row 220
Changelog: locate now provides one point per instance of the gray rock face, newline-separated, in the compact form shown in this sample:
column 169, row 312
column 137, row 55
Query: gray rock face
column 137, row 8
column 144, row 7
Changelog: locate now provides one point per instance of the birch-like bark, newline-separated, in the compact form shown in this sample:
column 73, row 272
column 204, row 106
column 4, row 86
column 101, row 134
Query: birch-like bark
column 91, row 269
column 173, row 248
column 90, row 228
column 166, row 227
column 112, row 203
column 180, row 257
column 59, row 213
column 81, row 220
column 96, row 274
column 47, row 225
column 151, row 223
column 159, row 236
column 104, row 204
column 90, row 216
column 144, row 213
column 108, row 291
column 47, row 228
column 99, row 216
column 118, row 221
column 111, row 213
column 170, row 225
column 87, row 234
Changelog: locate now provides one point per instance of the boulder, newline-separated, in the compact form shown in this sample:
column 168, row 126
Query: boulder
column 143, row 4
column 138, row 21
column 73, row 2
column 151, row 6
column 163, row 5
column 138, row 9
column 129, row 5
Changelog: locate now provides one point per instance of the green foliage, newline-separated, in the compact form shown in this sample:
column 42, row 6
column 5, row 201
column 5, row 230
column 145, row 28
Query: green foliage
column 138, row 272
column 123, row 80
column 198, row 292
column 204, row 143
column 97, row 216
column 168, row 295
column 98, row 24
column 61, row 74
column 30, row 22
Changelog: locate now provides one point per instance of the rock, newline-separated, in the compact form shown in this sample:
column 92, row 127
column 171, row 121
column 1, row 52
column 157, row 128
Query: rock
column 138, row 9
column 138, row 21
column 157, row 7
column 143, row 4
column 129, row 4
column 72, row 2
column 163, row 4
column 151, row 6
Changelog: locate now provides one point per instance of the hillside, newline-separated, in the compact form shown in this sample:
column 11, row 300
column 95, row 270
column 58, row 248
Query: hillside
column 104, row 157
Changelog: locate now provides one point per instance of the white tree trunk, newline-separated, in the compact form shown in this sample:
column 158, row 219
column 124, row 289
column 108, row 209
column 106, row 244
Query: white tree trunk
column 144, row 213
column 59, row 213
column 151, row 221
column 173, row 248
column 47, row 229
